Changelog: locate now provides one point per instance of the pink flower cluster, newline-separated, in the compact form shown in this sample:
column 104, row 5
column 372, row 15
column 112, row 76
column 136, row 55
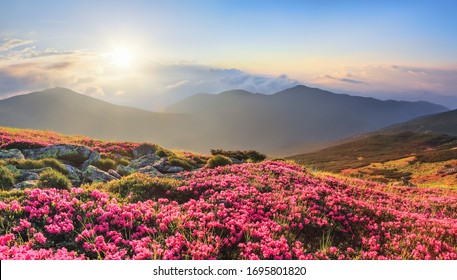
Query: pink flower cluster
column 270, row 210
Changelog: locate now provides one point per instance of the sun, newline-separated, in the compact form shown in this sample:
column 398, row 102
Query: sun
column 122, row 57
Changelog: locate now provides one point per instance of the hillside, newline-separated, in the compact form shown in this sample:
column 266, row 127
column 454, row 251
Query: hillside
column 293, row 120
column 425, row 159
column 297, row 118
column 268, row 210
column 444, row 123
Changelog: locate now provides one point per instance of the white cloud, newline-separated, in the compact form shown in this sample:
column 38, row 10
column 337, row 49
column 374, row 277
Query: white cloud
column 9, row 44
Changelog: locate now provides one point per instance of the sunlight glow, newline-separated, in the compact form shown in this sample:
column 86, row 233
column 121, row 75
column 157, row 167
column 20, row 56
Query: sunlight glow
column 122, row 57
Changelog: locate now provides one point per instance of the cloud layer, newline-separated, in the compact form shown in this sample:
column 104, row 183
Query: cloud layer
column 152, row 84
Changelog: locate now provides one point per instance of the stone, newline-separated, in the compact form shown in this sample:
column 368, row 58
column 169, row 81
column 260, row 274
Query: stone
column 26, row 175
column 93, row 157
column 160, row 164
column 74, row 173
column 93, row 174
column 236, row 161
column 124, row 170
column 172, row 169
column 76, row 154
column 144, row 149
column 150, row 171
column 114, row 174
column 13, row 153
column 147, row 160
column 26, row 184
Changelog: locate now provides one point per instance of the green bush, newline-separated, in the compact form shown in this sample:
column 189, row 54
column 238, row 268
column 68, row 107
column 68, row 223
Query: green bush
column 6, row 178
column 163, row 153
column 122, row 161
column 251, row 155
column 21, row 145
column 142, row 187
column 37, row 164
column 53, row 179
column 105, row 164
column 174, row 161
column 54, row 164
column 146, row 148
column 218, row 160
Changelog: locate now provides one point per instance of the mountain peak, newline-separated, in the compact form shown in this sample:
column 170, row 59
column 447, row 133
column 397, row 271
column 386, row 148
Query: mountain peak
column 236, row 92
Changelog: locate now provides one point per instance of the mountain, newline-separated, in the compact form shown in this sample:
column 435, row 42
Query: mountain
column 295, row 119
column 445, row 123
column 283, row 123
column 66, row 111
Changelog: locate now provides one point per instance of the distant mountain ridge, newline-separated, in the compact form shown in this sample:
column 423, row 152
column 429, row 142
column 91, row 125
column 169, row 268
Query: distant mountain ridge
column 283, row 123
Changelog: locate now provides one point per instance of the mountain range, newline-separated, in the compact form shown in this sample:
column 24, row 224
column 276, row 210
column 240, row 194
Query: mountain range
column 290, row 121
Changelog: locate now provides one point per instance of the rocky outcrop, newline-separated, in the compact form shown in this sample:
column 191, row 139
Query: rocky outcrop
column 144, row 149
column 26, row 175
column 150, row 171
column 172, row 169
column 11, row 154
column 26, row 184
column 74, row 173
column 146, row 160
column 93, row 174
column 77, row 155
column 125, row 170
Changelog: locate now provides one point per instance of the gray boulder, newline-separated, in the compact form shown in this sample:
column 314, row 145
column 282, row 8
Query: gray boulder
column 93, row 174
column 172, row 169
column 144, row 149
column 78, row 155
column 26, row 175
column 147, row 160
column 74, row 173
column 114, row 174
column 26, row 184
column 124, row 170
column 150, row 171
column 159, row 165
column 13, row 153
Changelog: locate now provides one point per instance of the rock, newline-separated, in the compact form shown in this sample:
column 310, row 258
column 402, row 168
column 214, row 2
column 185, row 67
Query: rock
column 74, row 174
column 26, row 184
column 114, row 174
column 147, row 160
column 26, row 175
column 236, row 161
column 38, row 170
column 144, row 149
column 70, row 153
column 93, row 174
column 93, row 157
column 150, row 171
column 160, row 164
column 172, row 169
column 13, row 153
column 13, row 169
column 124, row 170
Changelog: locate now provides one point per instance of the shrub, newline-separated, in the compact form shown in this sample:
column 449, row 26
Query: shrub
column 37, row 164
column 6, row 178
column 53, row 179
column 218, row 160
column 105, row 164
column 144, row 149
column 163, row 153
column 122, row 161
column 174, row 161
column 21, row 145
column 142, row 187
column 250, row 155
column 54, row 164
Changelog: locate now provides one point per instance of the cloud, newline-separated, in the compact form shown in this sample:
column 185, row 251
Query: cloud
column 151, row 85
column 346, row 80
column 9, row 44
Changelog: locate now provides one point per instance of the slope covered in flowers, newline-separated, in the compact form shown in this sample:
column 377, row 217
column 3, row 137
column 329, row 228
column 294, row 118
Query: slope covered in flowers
column 269, row 210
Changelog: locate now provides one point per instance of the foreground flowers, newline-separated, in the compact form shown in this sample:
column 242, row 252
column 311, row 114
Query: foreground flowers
column 271, row 210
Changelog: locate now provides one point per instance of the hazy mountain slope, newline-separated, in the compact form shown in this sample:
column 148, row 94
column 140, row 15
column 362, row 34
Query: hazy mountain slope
column 297, row 117
column 445, row 123
column 276, row 124
column 68, row 112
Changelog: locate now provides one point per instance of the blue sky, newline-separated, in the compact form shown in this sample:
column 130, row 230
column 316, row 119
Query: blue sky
column 403, row 49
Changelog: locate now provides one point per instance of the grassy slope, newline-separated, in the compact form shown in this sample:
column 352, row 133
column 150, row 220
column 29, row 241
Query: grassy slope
column 387, row 158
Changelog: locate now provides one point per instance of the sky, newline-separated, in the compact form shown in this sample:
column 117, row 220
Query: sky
column 149, row 54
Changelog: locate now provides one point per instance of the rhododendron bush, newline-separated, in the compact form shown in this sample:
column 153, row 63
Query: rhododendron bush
column 270, row 210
